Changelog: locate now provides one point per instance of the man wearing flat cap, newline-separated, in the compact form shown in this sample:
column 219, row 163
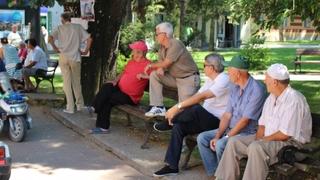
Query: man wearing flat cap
column 240, row 117
column 285, row 120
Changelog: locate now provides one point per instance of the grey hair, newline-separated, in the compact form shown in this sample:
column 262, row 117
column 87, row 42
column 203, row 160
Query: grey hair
column 216, row 61
column 167, row 28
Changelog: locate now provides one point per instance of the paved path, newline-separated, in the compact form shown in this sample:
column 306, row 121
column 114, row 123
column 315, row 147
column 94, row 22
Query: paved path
column 51, row 152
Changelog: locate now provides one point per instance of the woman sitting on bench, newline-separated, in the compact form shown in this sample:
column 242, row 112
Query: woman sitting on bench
column 127, row 88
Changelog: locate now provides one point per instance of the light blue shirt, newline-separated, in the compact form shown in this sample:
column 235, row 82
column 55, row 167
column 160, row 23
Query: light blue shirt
column 247, row 104
column 39, row 56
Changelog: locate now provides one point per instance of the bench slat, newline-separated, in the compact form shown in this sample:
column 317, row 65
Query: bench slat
column 308, row 52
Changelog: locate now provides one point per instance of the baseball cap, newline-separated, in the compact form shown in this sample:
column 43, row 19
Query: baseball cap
column 139, row 45
column 238, row 61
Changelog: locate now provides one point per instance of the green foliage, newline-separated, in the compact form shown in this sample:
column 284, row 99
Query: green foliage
column 130, row 33
column 271, row 13
column 258, row 56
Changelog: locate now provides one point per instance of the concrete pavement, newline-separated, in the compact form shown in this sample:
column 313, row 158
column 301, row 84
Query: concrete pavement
column 125, row 143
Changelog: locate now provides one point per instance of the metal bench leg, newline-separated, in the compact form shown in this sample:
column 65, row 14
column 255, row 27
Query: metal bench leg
column 191, row 144
column 53, row 91
column 129, row 123
column 149, row 129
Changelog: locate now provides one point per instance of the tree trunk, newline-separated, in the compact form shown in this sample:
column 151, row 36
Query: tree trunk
column 182, row 15
column 212, row 35
column 105, row 31
column 203, row 32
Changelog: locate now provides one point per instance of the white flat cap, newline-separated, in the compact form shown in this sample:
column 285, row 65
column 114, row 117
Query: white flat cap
column 278, row 71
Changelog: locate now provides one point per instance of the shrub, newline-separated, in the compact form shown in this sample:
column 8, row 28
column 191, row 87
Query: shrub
column 258, row 56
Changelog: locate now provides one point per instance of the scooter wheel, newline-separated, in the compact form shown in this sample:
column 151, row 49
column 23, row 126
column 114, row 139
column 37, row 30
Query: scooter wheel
column 18, row 131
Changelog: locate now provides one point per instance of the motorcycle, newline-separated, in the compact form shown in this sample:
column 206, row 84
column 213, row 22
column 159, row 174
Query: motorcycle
column 14, row 111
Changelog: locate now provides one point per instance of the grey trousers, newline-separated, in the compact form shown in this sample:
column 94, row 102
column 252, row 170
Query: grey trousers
column 186, row 87
column 260, row 155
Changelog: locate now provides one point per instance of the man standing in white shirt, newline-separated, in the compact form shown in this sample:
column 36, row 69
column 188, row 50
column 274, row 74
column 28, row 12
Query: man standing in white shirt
column 14, row 38
column 285, row 120
column 70, row 36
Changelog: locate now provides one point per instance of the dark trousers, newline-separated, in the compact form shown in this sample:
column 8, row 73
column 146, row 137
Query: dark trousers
column 107, row 97
column 192, row 120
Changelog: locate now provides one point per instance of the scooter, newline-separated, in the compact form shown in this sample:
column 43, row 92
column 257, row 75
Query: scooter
column 14, row 111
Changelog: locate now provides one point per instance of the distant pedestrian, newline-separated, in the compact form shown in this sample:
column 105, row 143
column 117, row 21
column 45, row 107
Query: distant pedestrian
column 14, row 37
column 70, row 36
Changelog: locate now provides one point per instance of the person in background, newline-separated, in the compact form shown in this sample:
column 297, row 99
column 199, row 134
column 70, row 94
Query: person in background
column 127, row 88
column 22, row 52
column 70, row 36
column 14, row 37
column 9, row 55
column 35, row 63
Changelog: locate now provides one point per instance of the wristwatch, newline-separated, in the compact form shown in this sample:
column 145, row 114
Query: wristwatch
column 179, row 105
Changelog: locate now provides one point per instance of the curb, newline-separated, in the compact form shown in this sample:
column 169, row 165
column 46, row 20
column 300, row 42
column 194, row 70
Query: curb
column 105, row 146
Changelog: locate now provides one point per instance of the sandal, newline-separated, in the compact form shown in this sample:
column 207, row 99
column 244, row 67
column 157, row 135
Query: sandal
column 98, row 131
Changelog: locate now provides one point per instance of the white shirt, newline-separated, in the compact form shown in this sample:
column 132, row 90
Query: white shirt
column 289, row 113
column 70, row 36
column 14, row 39
column 39, row 56
column 220, row 88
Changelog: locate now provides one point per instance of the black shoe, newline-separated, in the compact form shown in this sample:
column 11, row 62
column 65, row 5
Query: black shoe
column 162, row 126
column 166, row 171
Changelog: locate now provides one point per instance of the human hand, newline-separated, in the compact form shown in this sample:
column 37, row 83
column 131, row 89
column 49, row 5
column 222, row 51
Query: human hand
column 213, row 143
column 171, row 113
column 160, row 71
column 139, row 76
column 146, row 69
column 84, row 52
column 56, row 50
column 114, row 83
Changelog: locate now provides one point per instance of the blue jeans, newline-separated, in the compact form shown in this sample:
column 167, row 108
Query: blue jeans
column 210, row 158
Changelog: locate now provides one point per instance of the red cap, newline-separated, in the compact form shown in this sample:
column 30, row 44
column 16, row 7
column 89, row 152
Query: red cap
column 139, row 45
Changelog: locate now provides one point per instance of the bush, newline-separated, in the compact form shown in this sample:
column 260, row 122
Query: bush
column 258, row 57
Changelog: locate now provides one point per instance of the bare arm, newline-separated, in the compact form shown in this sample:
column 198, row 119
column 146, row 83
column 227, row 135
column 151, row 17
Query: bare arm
column 224, row 124
column 1, row 54
column 278, row 136
column 158, row 65
column 195, row 99
column 51, row 41
column 260, row 132
column 242, row 123
column 89, row 43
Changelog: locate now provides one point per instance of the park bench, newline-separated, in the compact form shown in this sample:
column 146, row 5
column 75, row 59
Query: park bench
column 287, row 166
column 300, row 52
column 47, row 75
column 139, row 111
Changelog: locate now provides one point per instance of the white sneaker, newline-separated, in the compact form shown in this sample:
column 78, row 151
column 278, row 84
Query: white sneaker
column 68, row 111
column 156, row 111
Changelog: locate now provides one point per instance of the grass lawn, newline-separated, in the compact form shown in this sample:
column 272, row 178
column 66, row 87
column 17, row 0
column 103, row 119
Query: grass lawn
column 309, row 42
column 311, row 89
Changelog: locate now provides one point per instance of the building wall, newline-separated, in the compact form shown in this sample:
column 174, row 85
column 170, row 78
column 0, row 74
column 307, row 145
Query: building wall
column 294, row 30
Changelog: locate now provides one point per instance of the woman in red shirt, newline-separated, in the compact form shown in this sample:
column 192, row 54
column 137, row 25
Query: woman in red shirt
column 127, row 88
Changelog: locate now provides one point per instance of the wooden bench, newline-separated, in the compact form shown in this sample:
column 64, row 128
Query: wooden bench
column 139, row 111
column 302, row 159
column 298, row 61
column 283, row 170
column 48, row 75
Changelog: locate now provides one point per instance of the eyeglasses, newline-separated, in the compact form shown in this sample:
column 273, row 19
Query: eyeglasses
column 204, row 65
column 157, row 34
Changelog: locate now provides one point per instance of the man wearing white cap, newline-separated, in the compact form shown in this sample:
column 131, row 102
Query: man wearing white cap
column 285, row 120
